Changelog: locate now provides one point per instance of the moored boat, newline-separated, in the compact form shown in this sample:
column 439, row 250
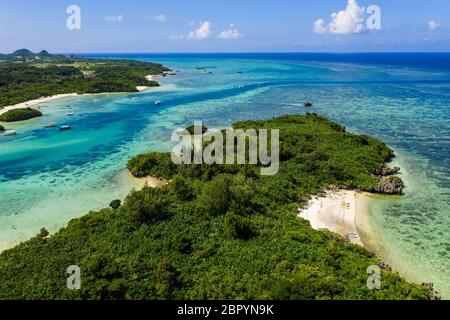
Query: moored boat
column 10, row 133
column 50, row 125
column 65, row 128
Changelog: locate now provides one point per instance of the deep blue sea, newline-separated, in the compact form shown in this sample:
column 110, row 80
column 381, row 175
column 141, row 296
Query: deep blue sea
column 48, row 177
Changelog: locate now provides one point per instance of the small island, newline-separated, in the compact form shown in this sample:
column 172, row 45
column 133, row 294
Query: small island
column 26, row 76
column 220, row 231
column 20, row 115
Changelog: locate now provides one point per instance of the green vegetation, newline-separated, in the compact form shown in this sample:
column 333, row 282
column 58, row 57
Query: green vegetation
column 26, row 76
column 217, row 232
column 191, row 128
column 20, row 114
column 115, row 204
column 152, row 164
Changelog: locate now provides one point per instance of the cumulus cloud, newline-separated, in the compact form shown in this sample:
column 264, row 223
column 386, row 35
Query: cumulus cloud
column 230, row 34
column 115, row 18
column 433, row 25
column 347, row 21
column 177, row 37
column 159, row 18
column 201, row 33
column 320, row 26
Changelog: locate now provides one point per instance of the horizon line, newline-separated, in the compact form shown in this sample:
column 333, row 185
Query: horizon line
column 252, row 52
column 238, row 52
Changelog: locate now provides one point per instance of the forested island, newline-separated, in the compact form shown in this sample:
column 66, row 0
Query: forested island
column 219, row 232
column 20, row 114
column 25, row 75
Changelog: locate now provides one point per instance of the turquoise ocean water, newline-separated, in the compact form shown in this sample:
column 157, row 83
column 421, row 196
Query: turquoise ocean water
column 48, row 177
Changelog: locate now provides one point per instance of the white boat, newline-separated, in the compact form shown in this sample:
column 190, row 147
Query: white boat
column 158, row 103
column 65, row 128
column 10, row 133
column 71, row 114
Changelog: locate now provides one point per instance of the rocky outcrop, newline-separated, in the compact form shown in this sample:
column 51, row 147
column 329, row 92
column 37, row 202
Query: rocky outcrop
column 390, row 185
column 387, row 182
column 434, row 295
column 390, row 156
column 387, row 171
column 385, row 266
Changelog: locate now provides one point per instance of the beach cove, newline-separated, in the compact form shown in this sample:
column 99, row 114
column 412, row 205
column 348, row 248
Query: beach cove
column 337, row 211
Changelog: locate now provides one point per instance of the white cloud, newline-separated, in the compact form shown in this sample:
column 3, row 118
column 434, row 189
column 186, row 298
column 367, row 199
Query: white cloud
column 320, row 26
column 159, row 18
column 115, row 18
column 230, row 34
column 176, row 37
column 434, row 25
column 347, row 21
column 201, row 33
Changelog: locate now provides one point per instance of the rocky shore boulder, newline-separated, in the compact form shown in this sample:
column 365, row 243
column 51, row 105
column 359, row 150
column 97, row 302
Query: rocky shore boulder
column 434, row 295
column 390, row 185
column 390, row 156
column 387, row 171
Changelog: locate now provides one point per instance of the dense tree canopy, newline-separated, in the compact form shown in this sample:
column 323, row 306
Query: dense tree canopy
column 220, row 232
column 20, row 114
column 21, row 81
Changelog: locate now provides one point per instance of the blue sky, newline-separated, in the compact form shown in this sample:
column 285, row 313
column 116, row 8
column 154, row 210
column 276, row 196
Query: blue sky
column 225, row 26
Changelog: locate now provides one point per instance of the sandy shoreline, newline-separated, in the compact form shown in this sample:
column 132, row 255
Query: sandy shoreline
column 337, row 211
column 125, row 177
column 36, row 102
column 149, row 77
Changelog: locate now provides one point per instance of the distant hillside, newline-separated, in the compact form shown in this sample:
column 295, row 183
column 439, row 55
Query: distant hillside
column 25, row 54
column 22, row 53
column 44, row 53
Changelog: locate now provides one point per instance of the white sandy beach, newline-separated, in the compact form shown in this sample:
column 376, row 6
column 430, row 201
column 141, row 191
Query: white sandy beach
column 337, row 212
column 149, row 77
column 36, row 102
column 125, row 177
column 153, row 182
column 33, row 103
